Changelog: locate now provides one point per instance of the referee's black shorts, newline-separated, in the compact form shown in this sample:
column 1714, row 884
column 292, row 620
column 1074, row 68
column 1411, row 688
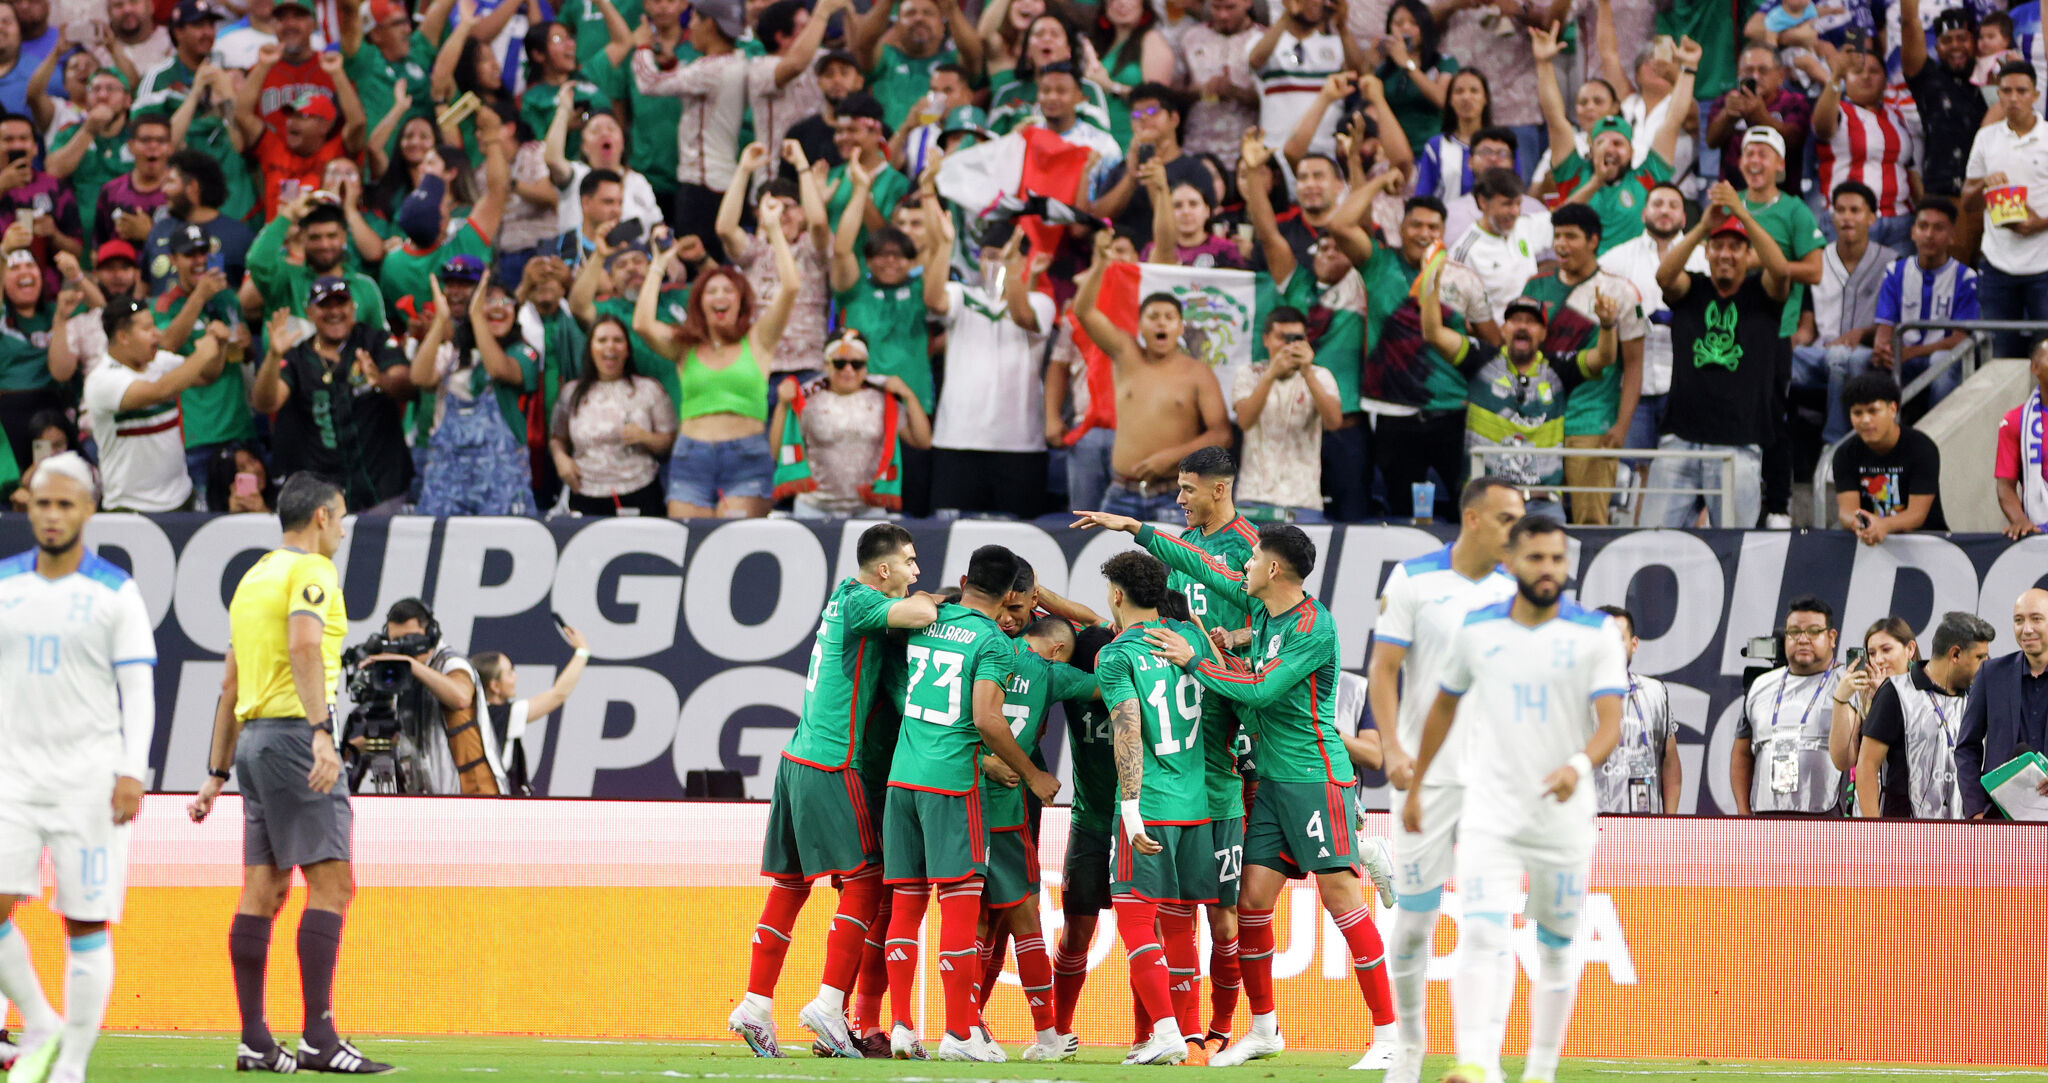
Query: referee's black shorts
column 285, row 823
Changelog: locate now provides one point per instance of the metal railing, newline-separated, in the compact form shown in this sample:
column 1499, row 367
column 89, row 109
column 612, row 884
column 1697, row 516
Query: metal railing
column 1725, row 456
column 1980, row 332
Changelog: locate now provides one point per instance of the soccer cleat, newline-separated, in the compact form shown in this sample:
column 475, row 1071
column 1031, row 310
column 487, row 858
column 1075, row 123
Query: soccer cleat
column 756, row 1029
column 8, row 1051
column 66, row 1075
column 1070, row 1046
column 1198, row 1053
column 1528, row 1077
column 37, row 1057
column 989, row 1045
column 278, row 1060
column 830, row 1027
column 1467, row 1073
column 1380, row 1056
column 970, row 1048
column 904, row 1044
column 343, row 1059
column 1253, row 1046
column 1052, row 1050
column 1407, row 1064
column 1215, row 1042
column 1165, row 1047
column 873, row 1046
column 1379, row 864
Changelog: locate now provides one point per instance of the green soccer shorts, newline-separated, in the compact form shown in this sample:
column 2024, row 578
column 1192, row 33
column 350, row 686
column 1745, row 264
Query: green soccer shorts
column 1085, row 881
column 1227, row 838
column 820, row 823
column 1301, row 828
column 934, row 837
column 1012, row 867
column 1183, row 871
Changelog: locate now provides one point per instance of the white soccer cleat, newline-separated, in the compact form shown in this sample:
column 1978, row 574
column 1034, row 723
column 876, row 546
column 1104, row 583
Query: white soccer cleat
column 971, row 1048
column 756, row 1028
column 830, row 1027
column 1253, row 1046
column 1053, row 1050
column 989, row 1045
column 1166, row 1047
column 38, row 1056
column 1378, row 857
column 1380, row 1056
column 904, row 1044
column 1070, row 1046
column 1406, row 1066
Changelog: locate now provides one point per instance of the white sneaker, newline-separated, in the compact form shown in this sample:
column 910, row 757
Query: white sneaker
column 1253, row 1046
column 1379, row 864
column 1777, row 521
column 1407, row 1064
column 1052, row 1050
column 1380, row 1056
column 1166, row 1047
column 904, row 1044
column 756, row 1028
column 830, row 1027
column 972, row 1048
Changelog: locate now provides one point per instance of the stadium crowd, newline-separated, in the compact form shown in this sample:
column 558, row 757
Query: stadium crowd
column 664, row 257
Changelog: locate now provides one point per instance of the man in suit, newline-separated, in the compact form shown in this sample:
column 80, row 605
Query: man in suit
column 2008, row 705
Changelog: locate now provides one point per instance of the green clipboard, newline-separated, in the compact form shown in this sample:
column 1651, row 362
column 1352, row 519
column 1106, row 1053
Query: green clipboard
column 2004, row 773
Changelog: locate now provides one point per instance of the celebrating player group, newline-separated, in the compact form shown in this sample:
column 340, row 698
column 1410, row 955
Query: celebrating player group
column 921, row 719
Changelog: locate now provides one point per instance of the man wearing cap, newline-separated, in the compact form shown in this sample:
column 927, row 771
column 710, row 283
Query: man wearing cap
column 134, row 408
column 838, row 76
column 1951, row 107
column 2007, row 167
column 323, row 237
column 1785, row 217
column 899, row 61
column 286, row 71
column 194, row 26
column 317, row 127
column 429, row 243
column 216, row 410
column 713, row 89
column 623, row 271
column 1760, row 101
column 1516, row 393
column 338, row 396
column 92, row 151
column 117, row 271
column 1610, row 182
column 1725, row 350
column 194, row 188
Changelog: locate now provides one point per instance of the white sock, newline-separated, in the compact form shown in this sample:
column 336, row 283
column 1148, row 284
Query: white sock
column 1408, row 967
column 758, row 1004
column 88, row 982
column 1167, row 1030
column 1266, row 1026
column 834, row 1000
column 1048, row 1036
column 1479, row 1011
column 1386, row 1034
column 18, row 983
column 1550, row 1003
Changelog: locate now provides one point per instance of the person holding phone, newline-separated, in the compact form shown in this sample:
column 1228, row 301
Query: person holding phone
column 216, row 410
column 515, row 723
column 1283, row 404
column 1889, row 649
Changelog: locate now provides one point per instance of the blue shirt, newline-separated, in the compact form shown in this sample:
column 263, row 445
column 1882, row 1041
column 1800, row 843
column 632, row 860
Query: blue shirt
column 1444, row 168
column 1910, row 293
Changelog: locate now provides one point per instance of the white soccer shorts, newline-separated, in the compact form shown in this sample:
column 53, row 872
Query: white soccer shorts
column 1422, row 862
column 1490, row 870
column 89, row 852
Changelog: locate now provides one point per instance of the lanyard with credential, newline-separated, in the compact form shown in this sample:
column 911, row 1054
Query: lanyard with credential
column 1818, row 688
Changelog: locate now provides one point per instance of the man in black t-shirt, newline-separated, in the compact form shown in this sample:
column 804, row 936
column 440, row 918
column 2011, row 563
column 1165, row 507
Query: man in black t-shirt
column 1725, row 354
column 1951, row 109
column 1906, row 765
column 1887, row 477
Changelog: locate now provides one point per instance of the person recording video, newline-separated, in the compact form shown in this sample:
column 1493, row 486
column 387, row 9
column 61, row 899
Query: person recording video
column 415, row 726
column 510, row 718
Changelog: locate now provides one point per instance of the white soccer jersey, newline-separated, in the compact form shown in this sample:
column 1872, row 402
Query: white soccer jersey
column 1421, row 609
column 1532, row 693
column 60, row 710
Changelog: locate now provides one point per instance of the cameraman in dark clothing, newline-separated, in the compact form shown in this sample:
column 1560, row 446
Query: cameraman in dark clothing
column 440, row 747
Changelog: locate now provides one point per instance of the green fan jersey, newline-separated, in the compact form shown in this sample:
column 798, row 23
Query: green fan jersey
column 1231, row 545
column 1088, row 744
column 946, row 658
column 1286, row 693
column 1175, row 789
column 1034, row 686
column 846, row 667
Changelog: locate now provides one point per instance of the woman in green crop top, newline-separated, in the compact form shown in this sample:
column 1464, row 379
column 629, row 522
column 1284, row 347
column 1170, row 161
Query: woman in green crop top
column 721, row 465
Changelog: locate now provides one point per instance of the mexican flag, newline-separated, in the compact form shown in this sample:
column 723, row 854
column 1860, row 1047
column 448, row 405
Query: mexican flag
column 995, row 178
column 1218, row 313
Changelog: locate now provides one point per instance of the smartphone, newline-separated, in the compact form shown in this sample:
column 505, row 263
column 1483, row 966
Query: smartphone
column 1750, row 85
column 1145, row 152
column 1855, row 657
column 25, row 218
column 247, row 485
column 561, row 626
column 216, row 260
column 288, row 189
column 42, row 449
column 85, row 33
column 626, row 233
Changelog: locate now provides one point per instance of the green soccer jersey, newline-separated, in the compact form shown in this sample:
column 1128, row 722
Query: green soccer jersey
column 899, row 80
column 537, row 109
column 1620, row 204
column 1174, row 789
column 946, row 659
column 1791, row 223
column 1088, row 744
column 285, row 283
column 1387, row 278
column 218, row 412
column 888, row 190
column 1287, row 692
column 657, row 120
column 586, row 17
column 1231, row 545
column 406, row 272
column 1034, row 686
column 846, row 667
column 106, row 157
column 892, row 318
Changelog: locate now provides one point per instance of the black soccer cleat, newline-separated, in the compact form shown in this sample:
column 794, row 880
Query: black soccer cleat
column 278, row 1060
column 343, row 1059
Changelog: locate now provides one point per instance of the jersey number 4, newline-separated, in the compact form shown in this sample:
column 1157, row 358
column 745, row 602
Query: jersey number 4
column 944, row 668
column 1187, row 702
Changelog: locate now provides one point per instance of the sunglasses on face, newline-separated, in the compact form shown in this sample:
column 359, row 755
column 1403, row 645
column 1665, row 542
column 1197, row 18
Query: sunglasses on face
column 849, row 364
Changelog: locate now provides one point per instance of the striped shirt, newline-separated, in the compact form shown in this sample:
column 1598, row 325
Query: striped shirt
column 1444, row 169
column 1875, row 146
column 1910, row 292
column 142, row 451
column 1289, row 82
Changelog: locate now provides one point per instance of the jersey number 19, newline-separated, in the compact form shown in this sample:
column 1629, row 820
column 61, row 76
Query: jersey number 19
column 1187, row 702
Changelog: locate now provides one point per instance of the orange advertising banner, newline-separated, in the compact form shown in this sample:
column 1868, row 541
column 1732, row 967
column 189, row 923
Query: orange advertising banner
column 1769, row 939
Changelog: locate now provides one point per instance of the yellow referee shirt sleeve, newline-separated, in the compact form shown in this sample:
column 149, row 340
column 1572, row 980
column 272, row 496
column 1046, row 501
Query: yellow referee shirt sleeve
column 312, row 586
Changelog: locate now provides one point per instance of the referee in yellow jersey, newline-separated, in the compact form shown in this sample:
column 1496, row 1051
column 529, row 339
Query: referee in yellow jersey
column 286, row 625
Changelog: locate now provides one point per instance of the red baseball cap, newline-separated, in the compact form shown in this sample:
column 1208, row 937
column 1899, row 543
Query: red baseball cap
column 115, row 250
column 1730, row 224
column 383, row 11
column 313, row 104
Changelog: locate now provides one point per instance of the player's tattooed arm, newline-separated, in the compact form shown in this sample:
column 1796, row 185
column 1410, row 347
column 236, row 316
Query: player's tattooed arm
column 1127, row 741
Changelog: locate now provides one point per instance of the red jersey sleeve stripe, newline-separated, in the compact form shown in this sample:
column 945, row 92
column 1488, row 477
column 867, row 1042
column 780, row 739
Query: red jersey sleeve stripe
column 1235, row 575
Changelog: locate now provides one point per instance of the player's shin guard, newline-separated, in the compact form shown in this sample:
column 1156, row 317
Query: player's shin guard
column 319, row 948
column 1183, row 965
column 18, row 982
column 1408, row 963
column 1550, row 1001
column 1034, row 969
column 1070, row 969
column 906, row 921
column 1368, row 962
column 1255, row 957
column 249, row 950
column 860, row 896
column 1225, row 983
column 88, row 982
column 874, row 969
column 786, row 897
column 959, row 905
column 1480, row 1010
column 1135, row 922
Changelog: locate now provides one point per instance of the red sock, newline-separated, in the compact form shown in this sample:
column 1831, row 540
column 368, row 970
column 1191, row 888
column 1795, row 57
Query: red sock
column 859, row 896
column 1070, row 970
column 874, row 972
column 1135, row 921
column 1224, row 984
column 1255, row 957
column 1368, row 962
column 786, row 897
column 905, row 920
column 1034, row 968
column 1183, row 966
column 1141, row 1027
column 994, row 952
column 959, row 905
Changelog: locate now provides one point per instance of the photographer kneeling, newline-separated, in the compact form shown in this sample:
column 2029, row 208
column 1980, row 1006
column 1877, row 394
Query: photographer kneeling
column 510, row 718
column 415, row 727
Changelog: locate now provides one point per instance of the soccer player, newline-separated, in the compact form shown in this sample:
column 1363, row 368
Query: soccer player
column 77, row 714
column 1421, row 609
column 285, row 626
column 818, row 815
column 1039, row 679
column 932, row 825
column 1084, row 887
column 1547, row 679
column 1162, row 852
column 1302, row 822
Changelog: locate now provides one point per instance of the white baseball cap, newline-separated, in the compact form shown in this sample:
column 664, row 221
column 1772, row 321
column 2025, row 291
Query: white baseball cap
column 1766, row 135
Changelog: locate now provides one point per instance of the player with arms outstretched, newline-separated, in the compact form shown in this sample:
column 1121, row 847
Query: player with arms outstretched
column 933, row 829
column 818, row 816
column 1302, row 822
column 1546, row 678
column 1422, row 608
column 77, row 715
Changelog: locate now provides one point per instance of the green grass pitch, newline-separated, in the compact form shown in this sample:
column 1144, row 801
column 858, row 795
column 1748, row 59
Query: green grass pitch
column 193, row 1058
